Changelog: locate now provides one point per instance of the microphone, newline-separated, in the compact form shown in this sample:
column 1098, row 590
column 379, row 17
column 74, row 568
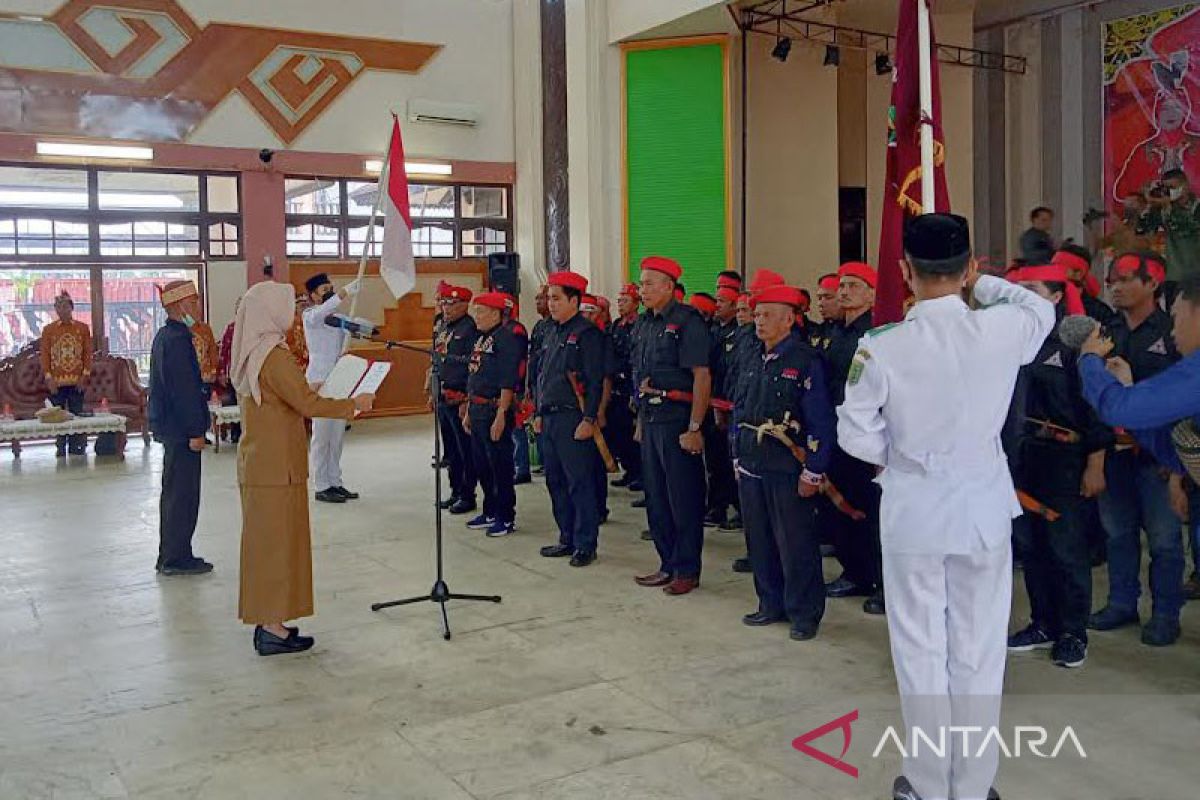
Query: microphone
column 356, row 326
column 1075, row 329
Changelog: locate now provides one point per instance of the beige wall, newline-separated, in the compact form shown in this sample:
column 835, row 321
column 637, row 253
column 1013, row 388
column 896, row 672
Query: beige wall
column 224, row 283
column 792, row 175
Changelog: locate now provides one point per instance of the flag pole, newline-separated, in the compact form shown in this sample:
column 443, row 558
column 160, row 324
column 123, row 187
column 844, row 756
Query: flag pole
column 383, row 177
column 925, row 75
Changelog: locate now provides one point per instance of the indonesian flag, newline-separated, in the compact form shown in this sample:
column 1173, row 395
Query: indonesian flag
column 396, row 265
column 902, row 189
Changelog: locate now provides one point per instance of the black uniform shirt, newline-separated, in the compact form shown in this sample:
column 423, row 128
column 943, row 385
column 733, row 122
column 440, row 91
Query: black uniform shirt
column 537, row 341
column 622, row 342
column 522, row 336
column 1098, row 310
column 671, row 343
column 843, row 344
column 495, row 362
column 1149, row 348
column 574, row 347
column 455, row 341
column 725, row 344
column 788, row 380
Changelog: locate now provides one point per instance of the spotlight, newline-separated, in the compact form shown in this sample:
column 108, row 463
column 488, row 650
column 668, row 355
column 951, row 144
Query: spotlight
column 782, row 48
column 833, row 55
column 883, row 64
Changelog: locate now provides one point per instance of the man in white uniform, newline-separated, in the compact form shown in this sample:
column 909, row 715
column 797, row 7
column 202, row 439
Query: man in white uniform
column 325, row 347
column 925, row 400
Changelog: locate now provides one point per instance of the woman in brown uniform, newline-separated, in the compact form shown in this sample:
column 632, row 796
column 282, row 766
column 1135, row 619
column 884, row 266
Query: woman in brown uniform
column 276, row 580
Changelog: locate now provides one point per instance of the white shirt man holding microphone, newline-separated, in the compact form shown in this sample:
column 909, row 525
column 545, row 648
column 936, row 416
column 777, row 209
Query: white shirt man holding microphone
column 325, row 346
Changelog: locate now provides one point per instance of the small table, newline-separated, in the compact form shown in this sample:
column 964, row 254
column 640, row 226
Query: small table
column 223, row 415
column 28, row 429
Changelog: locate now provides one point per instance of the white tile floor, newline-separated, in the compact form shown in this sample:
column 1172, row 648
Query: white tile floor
column 115, row 683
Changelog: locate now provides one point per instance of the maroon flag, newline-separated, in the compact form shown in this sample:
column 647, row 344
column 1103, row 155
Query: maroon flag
column 902, row 190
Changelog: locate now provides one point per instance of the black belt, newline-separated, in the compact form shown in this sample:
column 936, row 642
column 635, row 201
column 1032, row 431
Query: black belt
column 557, row 409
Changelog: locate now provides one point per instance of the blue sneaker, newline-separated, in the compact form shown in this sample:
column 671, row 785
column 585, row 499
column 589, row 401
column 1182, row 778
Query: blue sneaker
column 501, row 528
column 481, row 522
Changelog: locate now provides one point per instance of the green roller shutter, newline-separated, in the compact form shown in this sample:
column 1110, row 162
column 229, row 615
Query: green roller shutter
column 676, row 159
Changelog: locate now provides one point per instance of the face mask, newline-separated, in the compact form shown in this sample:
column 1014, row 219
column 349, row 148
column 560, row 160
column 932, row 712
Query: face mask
column 189, row 320
column 1176, row 193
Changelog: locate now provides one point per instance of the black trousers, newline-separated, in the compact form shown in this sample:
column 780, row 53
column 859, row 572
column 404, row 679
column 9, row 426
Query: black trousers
column 494, row 466
column 1058, row 569
column 857, row 542
column 456, row 446
column 785, row 550
column 179, row 504
column 71, row 399
column 674, row 482
column 619, row 435
column 571, row 467
column 722, row 488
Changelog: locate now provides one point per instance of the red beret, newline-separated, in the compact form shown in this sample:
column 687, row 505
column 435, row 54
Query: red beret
column 744, row 296
column 449, row 291
column 764, row 278
column 728, row 282
column 588, row 303
column 631, row 290
column 703, row 304
column 856, row 269
column 830, row 283
column 496, row 300
column 664, row 265
column 786, row 295
column 571, row 280
column 728, row 293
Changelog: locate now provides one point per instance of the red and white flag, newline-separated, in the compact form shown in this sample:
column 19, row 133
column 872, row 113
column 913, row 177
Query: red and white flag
column 396, row 264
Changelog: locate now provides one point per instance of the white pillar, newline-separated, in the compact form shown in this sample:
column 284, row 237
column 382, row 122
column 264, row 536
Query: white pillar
column 528, row 214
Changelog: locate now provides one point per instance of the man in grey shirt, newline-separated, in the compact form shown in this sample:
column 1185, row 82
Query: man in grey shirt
column 1037, row 246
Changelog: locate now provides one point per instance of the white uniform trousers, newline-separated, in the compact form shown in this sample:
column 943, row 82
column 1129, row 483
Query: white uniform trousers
column 948, row 623
column 326, row 452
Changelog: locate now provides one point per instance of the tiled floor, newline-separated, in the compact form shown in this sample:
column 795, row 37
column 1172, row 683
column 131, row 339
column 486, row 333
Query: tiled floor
column 115, row 683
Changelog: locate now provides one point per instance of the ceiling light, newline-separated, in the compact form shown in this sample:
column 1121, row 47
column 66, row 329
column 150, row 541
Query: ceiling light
column 74, row 150
column 375, row 166
column 782, row 47
column 833, row 56
column 883, row 64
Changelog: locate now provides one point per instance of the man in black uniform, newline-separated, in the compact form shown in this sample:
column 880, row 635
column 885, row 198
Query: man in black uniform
column 856, row 540
column 722, row 488
column 178, row 410
column 1138, row 495
column 519, row 436
column 571, row 367
column 454, row 339
column 782, row 393
column 830, row 310
column 488, row 416
column 1077, row 261
column 620, row 415
column 537, row 338
column 674, row 386
column 1059, row 462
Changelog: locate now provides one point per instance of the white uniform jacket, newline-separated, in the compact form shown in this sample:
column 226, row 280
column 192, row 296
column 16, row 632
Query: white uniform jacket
column 926, row 400
column 325, row 344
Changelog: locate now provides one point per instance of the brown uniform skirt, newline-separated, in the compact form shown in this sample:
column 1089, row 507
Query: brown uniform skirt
column 276, row 581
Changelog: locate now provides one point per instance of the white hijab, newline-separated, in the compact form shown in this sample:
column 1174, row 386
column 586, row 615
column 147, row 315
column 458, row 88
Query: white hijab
column 262, row 322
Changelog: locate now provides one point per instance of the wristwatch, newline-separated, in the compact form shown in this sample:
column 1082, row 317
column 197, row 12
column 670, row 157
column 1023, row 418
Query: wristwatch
column 693, row 426
column 590, row 420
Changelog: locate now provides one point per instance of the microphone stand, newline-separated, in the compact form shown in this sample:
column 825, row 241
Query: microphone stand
column 440, row 593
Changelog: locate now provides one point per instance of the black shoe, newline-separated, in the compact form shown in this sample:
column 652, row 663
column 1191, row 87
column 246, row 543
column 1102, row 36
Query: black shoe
column 1069, row 651
column 639, row 503
column 647, row 536
column 803, row 631
column 636, row 486
column 330, row 496
column 742, row 565
column 522, row 479
column 344, row 492
column 1029, row 638
column 268, row 644
column 621, row 482
column 875, row 605
column 557, row 551
column 846, row 588
column 193, row 566
column 903, row 790
column 447, row 504
column 582, row 559
column 462, row 506
column 714, row 519
column 1160, row 632
column 761, row 618
column 1109, row 619
column 78, row 451
column 734, row 523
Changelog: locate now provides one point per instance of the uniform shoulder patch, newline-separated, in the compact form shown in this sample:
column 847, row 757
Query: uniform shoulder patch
column 883, row 328
column 1159, row 348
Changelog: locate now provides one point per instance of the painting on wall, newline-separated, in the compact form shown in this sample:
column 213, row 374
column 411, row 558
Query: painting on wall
column 1151, row 103
column 145, row 70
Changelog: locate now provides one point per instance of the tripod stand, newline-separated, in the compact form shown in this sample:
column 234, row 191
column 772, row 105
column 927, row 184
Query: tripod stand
column 440, row 593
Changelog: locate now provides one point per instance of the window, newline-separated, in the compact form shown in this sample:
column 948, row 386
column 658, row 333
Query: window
column 71, row 214
column 327, row 218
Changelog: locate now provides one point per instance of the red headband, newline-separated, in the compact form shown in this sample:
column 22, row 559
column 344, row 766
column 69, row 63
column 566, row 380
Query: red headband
column 1054, row 273
column 856, row 269
column 830, row 283
column 1131, row 264
column 745, row 296
column 728, row 282
column 728, row 293
column 703, row 304
column 1072, row 262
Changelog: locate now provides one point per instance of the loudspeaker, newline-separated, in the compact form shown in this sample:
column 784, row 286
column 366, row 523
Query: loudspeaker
column 504, row 273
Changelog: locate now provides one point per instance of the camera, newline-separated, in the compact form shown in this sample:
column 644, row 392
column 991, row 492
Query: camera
column 265, row 155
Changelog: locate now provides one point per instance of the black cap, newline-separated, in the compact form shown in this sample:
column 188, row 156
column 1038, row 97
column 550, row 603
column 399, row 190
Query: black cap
column 941, row 243
column 316, row 282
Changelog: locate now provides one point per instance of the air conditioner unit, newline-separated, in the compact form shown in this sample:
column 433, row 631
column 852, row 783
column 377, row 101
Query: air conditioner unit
column 444, row 113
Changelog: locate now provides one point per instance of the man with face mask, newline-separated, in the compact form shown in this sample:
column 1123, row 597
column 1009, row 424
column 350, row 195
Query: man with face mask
column 325, row 347
column 1177, row 213
column 178, row 411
